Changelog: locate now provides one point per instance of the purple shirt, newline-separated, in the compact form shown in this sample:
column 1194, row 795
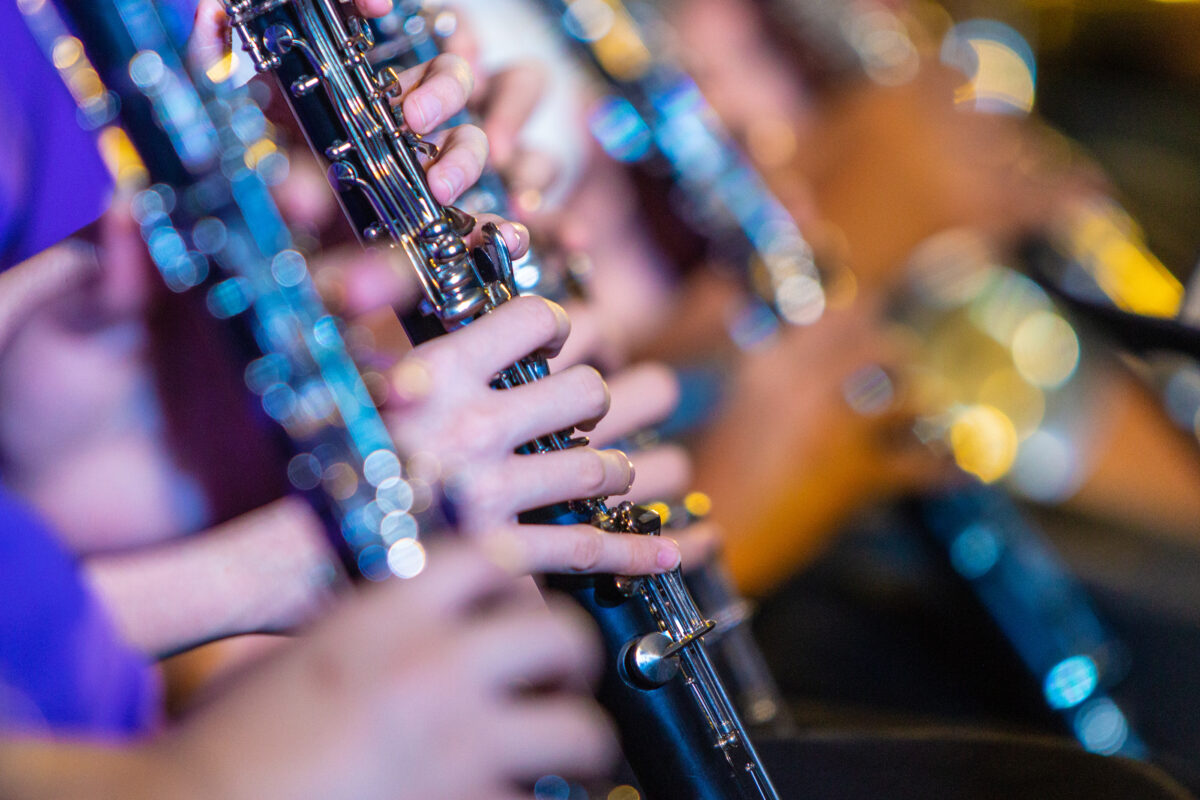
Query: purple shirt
column 63, row 668
column 52, row 180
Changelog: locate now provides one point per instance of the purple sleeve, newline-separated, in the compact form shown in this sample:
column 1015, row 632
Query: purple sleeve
column 52, row 180
column 63, row 667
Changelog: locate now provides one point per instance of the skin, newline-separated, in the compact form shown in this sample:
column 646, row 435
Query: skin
column 433, row 703
column 119, row 295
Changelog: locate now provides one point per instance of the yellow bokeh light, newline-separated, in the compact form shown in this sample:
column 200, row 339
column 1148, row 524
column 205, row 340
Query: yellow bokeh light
column 258, row 151
column 1002, row 77
column 1022, row 403
column 121, row 158
column 624, row 792
column 1109, row 245
column 84, row 84
column 66, row 52
column 662, row 509
column 698, row 504
column 984, row 442
column 220, row 71
column 1045, row 349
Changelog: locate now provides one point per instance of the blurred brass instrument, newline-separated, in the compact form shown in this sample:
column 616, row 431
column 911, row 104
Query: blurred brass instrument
column 681, row 732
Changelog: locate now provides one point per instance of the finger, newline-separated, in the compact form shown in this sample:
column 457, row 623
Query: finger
column 642, row 395
column 533, row 647
column 699, row 544
column 664, row 471
column 575, row 397
column 304, row 198
column 557, row 735
column 515, row 234
column 209, row 41
column 589, row 340
column 500, row 338
column 529, row 174
column 462, row 40
column 357, row 282
column 495, row 493
column 373, row 8
column 376, row 281
column 514, row 94
column 455, row 578
column 41, row 279
column 578, row 549
column 462, row 152
column 433, row 92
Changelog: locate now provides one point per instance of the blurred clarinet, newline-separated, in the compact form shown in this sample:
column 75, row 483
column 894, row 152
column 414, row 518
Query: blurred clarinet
column 210, row 225
column 409, row 35
column 1044, row 613
column 681, row 732
column 657, row 113
column 654, row 113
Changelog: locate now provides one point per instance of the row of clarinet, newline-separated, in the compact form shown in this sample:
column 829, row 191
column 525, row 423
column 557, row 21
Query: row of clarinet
column 686, row 683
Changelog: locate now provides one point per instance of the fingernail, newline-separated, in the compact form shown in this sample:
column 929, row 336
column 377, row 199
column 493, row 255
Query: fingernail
column 669, row 557
column 451, row 182
column 429, row 109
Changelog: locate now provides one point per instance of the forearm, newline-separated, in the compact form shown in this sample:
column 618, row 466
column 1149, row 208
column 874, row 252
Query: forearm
column 265, row 570
column 28, row 286
column 32, row 769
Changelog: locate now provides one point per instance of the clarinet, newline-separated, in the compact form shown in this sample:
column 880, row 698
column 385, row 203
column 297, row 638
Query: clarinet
column 407, row 37
column 211, row 227
column 1043, row 612
column 1026, row 590
column 655, row 116
column 679, row 728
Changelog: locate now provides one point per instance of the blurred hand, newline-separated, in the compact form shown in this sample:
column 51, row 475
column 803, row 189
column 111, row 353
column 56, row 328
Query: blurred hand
column 790, row 458
column 643, row 396
column 450, row 686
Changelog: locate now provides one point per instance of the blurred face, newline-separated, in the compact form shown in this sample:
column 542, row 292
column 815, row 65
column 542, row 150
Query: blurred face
column 80, row 425
column 742, row 75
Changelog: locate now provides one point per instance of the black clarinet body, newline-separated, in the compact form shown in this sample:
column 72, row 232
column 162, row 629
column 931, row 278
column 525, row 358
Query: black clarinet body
column 406, row 38
column 211, row 227
column 679, row 728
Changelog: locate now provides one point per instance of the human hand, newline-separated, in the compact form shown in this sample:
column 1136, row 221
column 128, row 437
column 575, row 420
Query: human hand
column 643, row 396
column 453, row 685
column 790, row 457
column 445, row 411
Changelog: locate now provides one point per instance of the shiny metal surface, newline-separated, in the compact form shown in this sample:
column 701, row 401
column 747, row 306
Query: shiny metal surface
column 210, row 225
column 380, row 165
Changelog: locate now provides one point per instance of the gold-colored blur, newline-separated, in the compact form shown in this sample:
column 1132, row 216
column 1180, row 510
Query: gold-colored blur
column 121, row 158
column 984, row 442
column 624, row 792
column 256, row 152
column 223, row 68
column 1108, row 244
column 698, row 504
column 616, row 41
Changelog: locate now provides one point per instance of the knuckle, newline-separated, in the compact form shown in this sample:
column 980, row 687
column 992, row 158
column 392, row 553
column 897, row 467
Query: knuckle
column 457, row 67
column 587, row 550
column 437, row 356
column 591, row 391
column 537, row 316
column 478, row 432
column 592, row 471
